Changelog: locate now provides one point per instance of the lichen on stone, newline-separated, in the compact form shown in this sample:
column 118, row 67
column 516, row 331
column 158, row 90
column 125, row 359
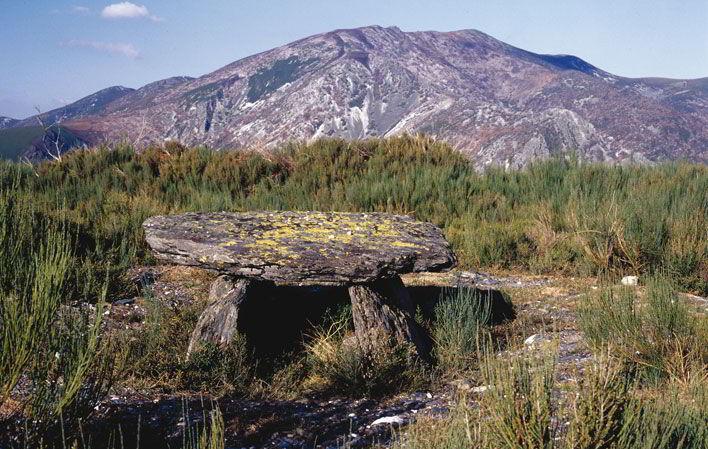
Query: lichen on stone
column 328, row 247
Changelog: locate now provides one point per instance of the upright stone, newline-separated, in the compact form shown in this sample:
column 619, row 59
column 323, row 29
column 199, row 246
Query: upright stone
column 219, row 322
column 384, row 317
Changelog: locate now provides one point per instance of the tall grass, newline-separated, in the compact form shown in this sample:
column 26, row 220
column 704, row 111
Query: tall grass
column 459, row 330
column 608, row 410
column 658, row 334
column 554, row 216
column 336, row 363
column 54, row 364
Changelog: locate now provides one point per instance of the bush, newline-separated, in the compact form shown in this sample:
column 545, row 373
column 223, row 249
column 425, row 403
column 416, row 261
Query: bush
column 214, row 369
column 659, row 336
column 517, row 404
column 55, row 365
column 555, row 215
column 461, row 317
column 338, row 364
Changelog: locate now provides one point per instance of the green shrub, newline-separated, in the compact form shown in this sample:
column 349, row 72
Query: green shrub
column 517, row 404
column 55, row 348
column 659, row 335
column 461, row 317
column 338, row 364
column 556, row 215
column 213, row 368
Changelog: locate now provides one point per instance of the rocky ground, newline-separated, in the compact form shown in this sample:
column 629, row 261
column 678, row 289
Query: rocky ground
column 545, row 315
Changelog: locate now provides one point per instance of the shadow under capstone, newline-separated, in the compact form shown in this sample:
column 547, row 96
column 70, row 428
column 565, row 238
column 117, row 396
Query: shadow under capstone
column 277, row 319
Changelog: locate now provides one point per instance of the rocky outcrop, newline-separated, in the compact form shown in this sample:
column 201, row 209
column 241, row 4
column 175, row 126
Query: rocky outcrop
column 364, row 251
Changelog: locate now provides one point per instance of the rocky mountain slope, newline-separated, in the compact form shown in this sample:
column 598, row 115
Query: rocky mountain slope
column 7, row 122
column 496, row 102
column 92, row 105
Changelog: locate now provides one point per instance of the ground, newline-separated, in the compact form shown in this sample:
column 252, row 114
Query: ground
column 544, row 316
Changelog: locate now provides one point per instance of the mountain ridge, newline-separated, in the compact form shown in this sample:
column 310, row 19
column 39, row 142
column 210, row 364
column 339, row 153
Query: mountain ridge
column 498, row 103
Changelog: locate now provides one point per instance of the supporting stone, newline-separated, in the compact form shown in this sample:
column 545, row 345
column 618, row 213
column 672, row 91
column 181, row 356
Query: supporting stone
column 219, row 321
column 383, row 315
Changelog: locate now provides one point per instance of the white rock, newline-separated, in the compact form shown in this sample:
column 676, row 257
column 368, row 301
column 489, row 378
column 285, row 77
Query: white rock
column 388, row 420
column 480, row 389
column 534, row 339
column 630, row 280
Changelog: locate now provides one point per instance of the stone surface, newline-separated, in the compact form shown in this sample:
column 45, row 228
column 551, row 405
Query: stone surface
column 301, row 247
column 630, row 280
column 219, row 321
column 383, row 316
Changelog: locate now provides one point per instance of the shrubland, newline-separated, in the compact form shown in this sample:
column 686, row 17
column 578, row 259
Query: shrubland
column 70, row 229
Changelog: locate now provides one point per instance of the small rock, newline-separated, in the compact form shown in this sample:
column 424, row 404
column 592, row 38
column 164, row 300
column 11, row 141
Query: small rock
column 480, row 389
column 388, row 420
column 630, row 280
column 534, row 339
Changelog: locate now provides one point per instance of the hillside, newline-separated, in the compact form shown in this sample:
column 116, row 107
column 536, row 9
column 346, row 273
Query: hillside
column 34, row 143
column 497, row 103
column 7, row 122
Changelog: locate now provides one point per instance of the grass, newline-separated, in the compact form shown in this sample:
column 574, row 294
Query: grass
column 459, row 329
column 557, row 216
column 646, row 387
column 55, row 364
column 657, row 332
column 336, row 363
column 607, row 410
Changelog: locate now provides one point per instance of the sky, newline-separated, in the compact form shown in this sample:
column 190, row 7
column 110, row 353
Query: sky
column 57, row 51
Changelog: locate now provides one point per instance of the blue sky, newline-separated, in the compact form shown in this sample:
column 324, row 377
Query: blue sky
column 57, row 51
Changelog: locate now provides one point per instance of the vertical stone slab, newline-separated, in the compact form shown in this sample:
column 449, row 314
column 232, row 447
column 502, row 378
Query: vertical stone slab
column 219, row 321
column 383, row 315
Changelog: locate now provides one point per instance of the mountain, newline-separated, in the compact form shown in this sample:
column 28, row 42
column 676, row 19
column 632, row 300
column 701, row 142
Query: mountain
column 38, row 136
column 498, row 103
column 91, row 105
column 7, row 122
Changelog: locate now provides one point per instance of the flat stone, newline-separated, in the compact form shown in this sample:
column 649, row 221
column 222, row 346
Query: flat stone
column 301, row 247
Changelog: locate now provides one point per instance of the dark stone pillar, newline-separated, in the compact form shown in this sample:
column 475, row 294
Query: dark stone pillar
column 219, row 321
column 383, row 315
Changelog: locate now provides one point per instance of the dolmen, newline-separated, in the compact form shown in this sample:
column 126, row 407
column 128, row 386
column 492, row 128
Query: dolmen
column 366, row 252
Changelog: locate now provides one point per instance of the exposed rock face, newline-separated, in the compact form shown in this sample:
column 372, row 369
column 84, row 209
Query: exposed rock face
column 496, row 102
column 301, row 247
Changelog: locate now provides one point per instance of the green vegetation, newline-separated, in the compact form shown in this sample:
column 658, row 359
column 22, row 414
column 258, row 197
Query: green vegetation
column 459, row 329
column 605, row 411
column 15, row 141
column 336, row 363
column 659, row 334
column 270, row 79
column 556, row 216
column 54, row 364
column 70, row 229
